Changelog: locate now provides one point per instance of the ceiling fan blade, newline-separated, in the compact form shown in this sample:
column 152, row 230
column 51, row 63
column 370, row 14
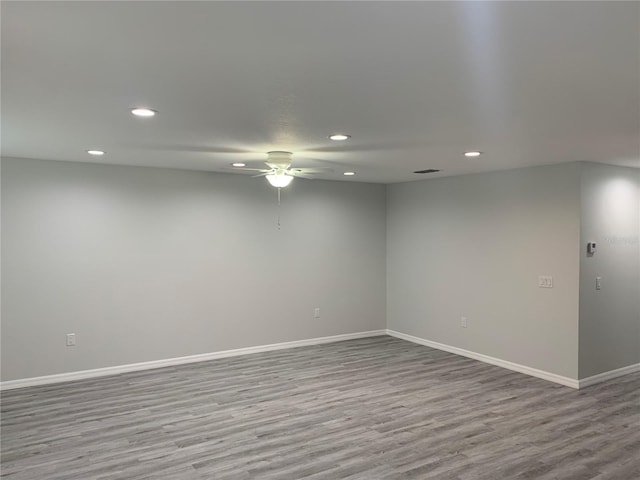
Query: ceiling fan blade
column 264, row 173
column 297, row 172
column 245, row 170
column 314, row 170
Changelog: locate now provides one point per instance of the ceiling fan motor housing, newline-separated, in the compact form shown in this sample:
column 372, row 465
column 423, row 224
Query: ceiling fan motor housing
column 281, row 159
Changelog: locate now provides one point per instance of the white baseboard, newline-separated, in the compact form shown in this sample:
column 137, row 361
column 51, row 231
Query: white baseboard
column 602, row 377
column 169, row 362
column 534, row 372
column 134, row 367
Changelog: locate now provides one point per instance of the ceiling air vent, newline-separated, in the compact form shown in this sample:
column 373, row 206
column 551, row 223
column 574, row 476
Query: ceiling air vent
column 428, row 170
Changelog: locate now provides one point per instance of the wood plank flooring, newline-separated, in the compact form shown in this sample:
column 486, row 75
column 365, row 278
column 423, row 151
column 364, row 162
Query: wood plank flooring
column 374, row 408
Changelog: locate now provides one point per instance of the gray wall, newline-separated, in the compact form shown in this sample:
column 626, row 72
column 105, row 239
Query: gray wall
column 475, row 245
column 145, row 264
column 610, row 317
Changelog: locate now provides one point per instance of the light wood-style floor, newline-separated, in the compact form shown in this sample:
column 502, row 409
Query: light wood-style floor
column 375, row 408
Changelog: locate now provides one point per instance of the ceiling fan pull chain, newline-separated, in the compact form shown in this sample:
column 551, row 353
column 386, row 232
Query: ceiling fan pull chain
column 278, row 208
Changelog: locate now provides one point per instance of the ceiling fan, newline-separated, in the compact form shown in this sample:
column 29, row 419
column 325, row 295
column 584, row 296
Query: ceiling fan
column 280, row 174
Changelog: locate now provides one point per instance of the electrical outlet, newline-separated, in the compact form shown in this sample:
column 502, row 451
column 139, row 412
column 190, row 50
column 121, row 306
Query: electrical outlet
column 545, row 281
column 463, row 322
column 71, row 339
column 316, row 312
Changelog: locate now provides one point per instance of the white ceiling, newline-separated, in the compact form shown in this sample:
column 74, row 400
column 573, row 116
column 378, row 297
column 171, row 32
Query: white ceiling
column 415, row 84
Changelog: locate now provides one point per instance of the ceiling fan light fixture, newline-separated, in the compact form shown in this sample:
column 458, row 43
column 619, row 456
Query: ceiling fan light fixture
column 338, row 137
column 279, row 180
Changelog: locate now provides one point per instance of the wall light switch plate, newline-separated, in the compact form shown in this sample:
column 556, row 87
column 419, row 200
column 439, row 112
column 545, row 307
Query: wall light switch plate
column 545, row 281
column 598, row 283
column 463, row 322
column 71, row 339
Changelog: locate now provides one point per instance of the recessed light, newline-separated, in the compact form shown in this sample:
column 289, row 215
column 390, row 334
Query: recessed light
column 472, row 154
column 339, row 137
column 238, row 164
column 349, row 174
column 95, row 152
column 143, row 112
